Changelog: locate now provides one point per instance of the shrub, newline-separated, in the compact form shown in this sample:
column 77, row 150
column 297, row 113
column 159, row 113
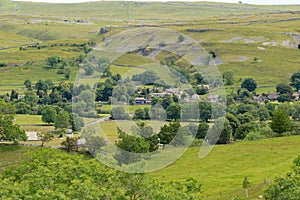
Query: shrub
column 254, row 136
column 267, row 132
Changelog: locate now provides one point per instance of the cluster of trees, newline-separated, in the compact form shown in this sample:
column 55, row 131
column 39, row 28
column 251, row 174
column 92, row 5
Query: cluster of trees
column 42, row 93
column 143, row 139
column 146, row 78
column 101, row 65
column 61, row 118
column 52, row 174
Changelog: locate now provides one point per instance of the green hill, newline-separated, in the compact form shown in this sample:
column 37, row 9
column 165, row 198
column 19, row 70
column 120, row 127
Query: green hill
column 252, row 41
column 223, row 170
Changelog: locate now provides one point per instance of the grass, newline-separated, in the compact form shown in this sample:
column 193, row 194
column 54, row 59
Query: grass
column 117, row 10
column 131, row 108
column 29, row 119
column 37, row 128
column 224, row 169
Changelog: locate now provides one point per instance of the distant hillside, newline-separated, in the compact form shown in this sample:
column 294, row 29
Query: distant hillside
column 252, row 41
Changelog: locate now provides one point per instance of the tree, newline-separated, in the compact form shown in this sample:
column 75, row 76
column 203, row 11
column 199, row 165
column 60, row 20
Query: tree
column 249, row 84
column 76, row 121
column 89, row 70
column 201, row 90
column 157, row 112
column 139, row 114
column 233, row 121
column 296, row 111
column 212, row 54
column 199, row 78
column 283, row 88
column 205, row 110
column 220, row 133
column 244, row 129
column 118, row 113
column 94, row 143
column 295, row 80
column 174, row 111
column 168, row 132
column 30, row 98
column 27, row 84
column 280, row 122
column 228, row 78
column 246, row 185
column 245, row 118
column 143, row 130
column 62, row 120
column 70, row 144
column 148, row 77
column 263, row 114
column 8, row 130
column 284, row 98
column 131, row 144
column 54, row 62
column 23, row 108
column 48, row 114
column 45, row 137
column 286, row 187
column 202, row 130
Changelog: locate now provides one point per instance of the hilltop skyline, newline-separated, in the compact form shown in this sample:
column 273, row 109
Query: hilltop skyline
column 261, row 2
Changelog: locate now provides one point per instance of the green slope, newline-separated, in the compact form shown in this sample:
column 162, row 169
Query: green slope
column 224, row 169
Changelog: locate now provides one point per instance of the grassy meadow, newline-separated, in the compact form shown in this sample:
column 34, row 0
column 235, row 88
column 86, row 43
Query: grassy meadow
column 223, row 170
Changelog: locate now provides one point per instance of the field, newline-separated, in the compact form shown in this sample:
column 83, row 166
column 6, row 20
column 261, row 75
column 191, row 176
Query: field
column 131, row 108
column 224, row 169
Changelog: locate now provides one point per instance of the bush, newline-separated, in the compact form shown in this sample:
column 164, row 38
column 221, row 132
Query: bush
column 254, row 136
column 267, row 132
column 286, row 134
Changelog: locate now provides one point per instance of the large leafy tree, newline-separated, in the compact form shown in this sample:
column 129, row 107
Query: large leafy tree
column 205, row 110
column 8, row 130
column 62, row 120
column 295, row 80
column 129, row 145
column 168, row 132
column 243, row 130
column 283, row 88
column 48, row 114
column 249, row 84
column 174, row 111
